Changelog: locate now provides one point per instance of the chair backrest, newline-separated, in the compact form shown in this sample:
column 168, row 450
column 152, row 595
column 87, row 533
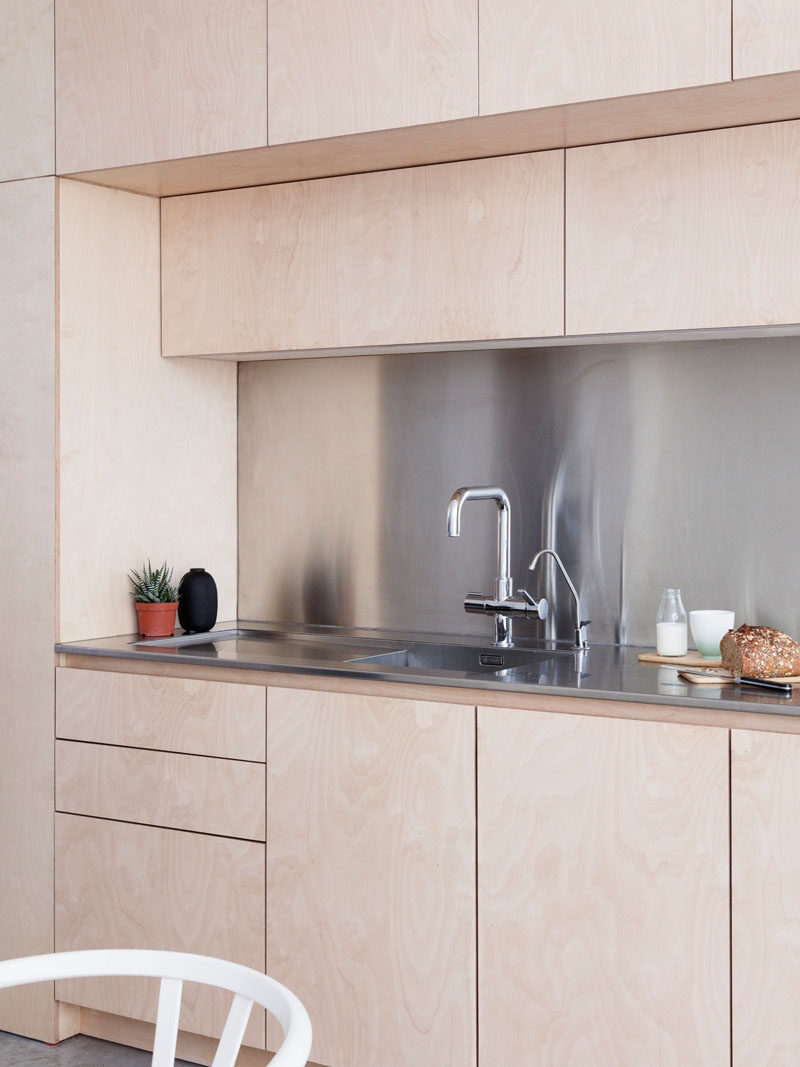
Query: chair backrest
column 174, row 968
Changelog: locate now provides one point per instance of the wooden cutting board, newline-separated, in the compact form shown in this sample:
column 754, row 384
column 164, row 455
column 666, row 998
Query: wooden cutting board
column 698, row 662
column 691, row 659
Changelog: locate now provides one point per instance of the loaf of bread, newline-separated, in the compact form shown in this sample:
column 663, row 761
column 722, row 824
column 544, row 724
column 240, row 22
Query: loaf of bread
column 760, row 652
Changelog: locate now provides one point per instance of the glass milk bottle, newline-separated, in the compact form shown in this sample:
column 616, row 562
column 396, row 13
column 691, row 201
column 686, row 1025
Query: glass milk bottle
column 671, row 625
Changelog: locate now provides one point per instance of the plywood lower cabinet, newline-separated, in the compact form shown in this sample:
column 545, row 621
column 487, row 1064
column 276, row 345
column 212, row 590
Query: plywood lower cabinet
column 765, row 864
column 189, row 715
column 120, row 885
column 602, row 891
column 371, row 875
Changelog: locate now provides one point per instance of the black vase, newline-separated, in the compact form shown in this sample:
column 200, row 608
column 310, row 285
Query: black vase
column 197, row 601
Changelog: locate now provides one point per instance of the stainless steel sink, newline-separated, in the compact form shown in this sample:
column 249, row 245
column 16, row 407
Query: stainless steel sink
column 260, row 648
column 266, row 646
column 466, row 659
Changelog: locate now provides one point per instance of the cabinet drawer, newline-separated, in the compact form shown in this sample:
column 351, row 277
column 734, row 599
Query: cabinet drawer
column 125, row 886
column 176, row 714
column 212, row 796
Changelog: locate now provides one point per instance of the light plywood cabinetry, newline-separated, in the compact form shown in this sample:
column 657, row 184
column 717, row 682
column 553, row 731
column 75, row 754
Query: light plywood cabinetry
column 27, row 561
column 158, row 79
column 169, row 789
column 371, row 876
column 174, row 714
column 347, row 68
column 450, row 253
column 559, row 51
column 122, row 409
column 697, row 230
column 602, row 891
column 27, row 127
column 120, row 885
column 766, row 37
column 765, row 799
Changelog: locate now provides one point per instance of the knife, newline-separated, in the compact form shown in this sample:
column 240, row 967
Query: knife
column 761, row 683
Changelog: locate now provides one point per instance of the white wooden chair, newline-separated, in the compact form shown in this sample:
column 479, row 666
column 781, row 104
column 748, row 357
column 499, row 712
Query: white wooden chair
column 174, row 968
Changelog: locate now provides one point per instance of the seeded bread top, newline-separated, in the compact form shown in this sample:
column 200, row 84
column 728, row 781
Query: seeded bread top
column 760, row 652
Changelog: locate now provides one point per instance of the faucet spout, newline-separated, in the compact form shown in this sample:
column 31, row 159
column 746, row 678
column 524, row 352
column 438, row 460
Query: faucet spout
column 580, row 624
column 503, row 582
column 503, row 605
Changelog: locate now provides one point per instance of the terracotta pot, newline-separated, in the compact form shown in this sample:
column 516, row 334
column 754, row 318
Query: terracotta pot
column 156, row 620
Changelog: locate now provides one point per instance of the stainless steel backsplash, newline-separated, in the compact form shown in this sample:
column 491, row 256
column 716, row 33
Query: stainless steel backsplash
column 672, row 463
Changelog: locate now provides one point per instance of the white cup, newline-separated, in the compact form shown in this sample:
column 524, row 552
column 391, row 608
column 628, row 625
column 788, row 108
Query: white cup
column 708, row 628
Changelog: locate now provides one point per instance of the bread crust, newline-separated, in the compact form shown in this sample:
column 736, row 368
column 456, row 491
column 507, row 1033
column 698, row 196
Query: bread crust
column 760, row 652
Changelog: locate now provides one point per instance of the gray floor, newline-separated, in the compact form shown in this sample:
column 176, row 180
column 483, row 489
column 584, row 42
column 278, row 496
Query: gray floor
column 77, row 1051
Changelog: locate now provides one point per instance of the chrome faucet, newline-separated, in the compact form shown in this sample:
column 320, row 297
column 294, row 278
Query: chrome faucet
column 580, row 624
column 502, row 603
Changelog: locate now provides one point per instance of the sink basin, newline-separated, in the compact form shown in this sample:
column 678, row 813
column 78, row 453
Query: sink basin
column 265, row 646
column 466, row 659
column 260, row 648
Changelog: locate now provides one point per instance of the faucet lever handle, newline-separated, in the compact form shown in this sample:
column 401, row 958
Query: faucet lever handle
column 541, row 606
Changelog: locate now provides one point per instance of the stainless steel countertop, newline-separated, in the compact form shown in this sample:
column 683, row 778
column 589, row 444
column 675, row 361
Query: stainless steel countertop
column 604, row 672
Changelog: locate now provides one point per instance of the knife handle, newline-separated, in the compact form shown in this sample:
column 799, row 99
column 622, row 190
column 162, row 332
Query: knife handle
column 783, row 687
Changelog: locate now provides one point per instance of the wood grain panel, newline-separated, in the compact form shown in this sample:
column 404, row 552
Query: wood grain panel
column 27, row 124
column 623, row 118
column 370, row 882
column 696, row 715
column 560, row 51
column 765, row 794
column 672, row 233
column 137, row 1034
column 158, row 79
column 125, row 886
column 27, row 562
column 147, row 448
column 345, row 68
column 766, row 37
column 204, row 718
column 602, row 891
column 213, row 796
column 337, row 262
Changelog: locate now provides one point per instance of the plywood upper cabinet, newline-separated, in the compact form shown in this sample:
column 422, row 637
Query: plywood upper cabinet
column 371, row 874
column 158, row 79
column 456, row 252
column 766, row 37
column 602, row 891
column 348, row 67
column 537, row 54
column 27, row 123
column 765, row 862
column 697, row 230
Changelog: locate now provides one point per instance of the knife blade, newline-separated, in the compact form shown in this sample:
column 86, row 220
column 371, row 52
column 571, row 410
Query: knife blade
column 711, row 676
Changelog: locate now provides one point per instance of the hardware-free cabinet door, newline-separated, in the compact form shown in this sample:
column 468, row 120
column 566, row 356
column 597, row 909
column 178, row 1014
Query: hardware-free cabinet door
column 536, row 53
column 685, row 232
column 765, row 881
column 446, row 253
column 158, row 79
column 371, row 875
column 766, row 37
column 27, row 124
column 348, row 66
column 119, row 885
column 602, row 891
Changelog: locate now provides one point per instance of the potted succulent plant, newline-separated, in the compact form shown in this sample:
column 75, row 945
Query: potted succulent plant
column 155, row 597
